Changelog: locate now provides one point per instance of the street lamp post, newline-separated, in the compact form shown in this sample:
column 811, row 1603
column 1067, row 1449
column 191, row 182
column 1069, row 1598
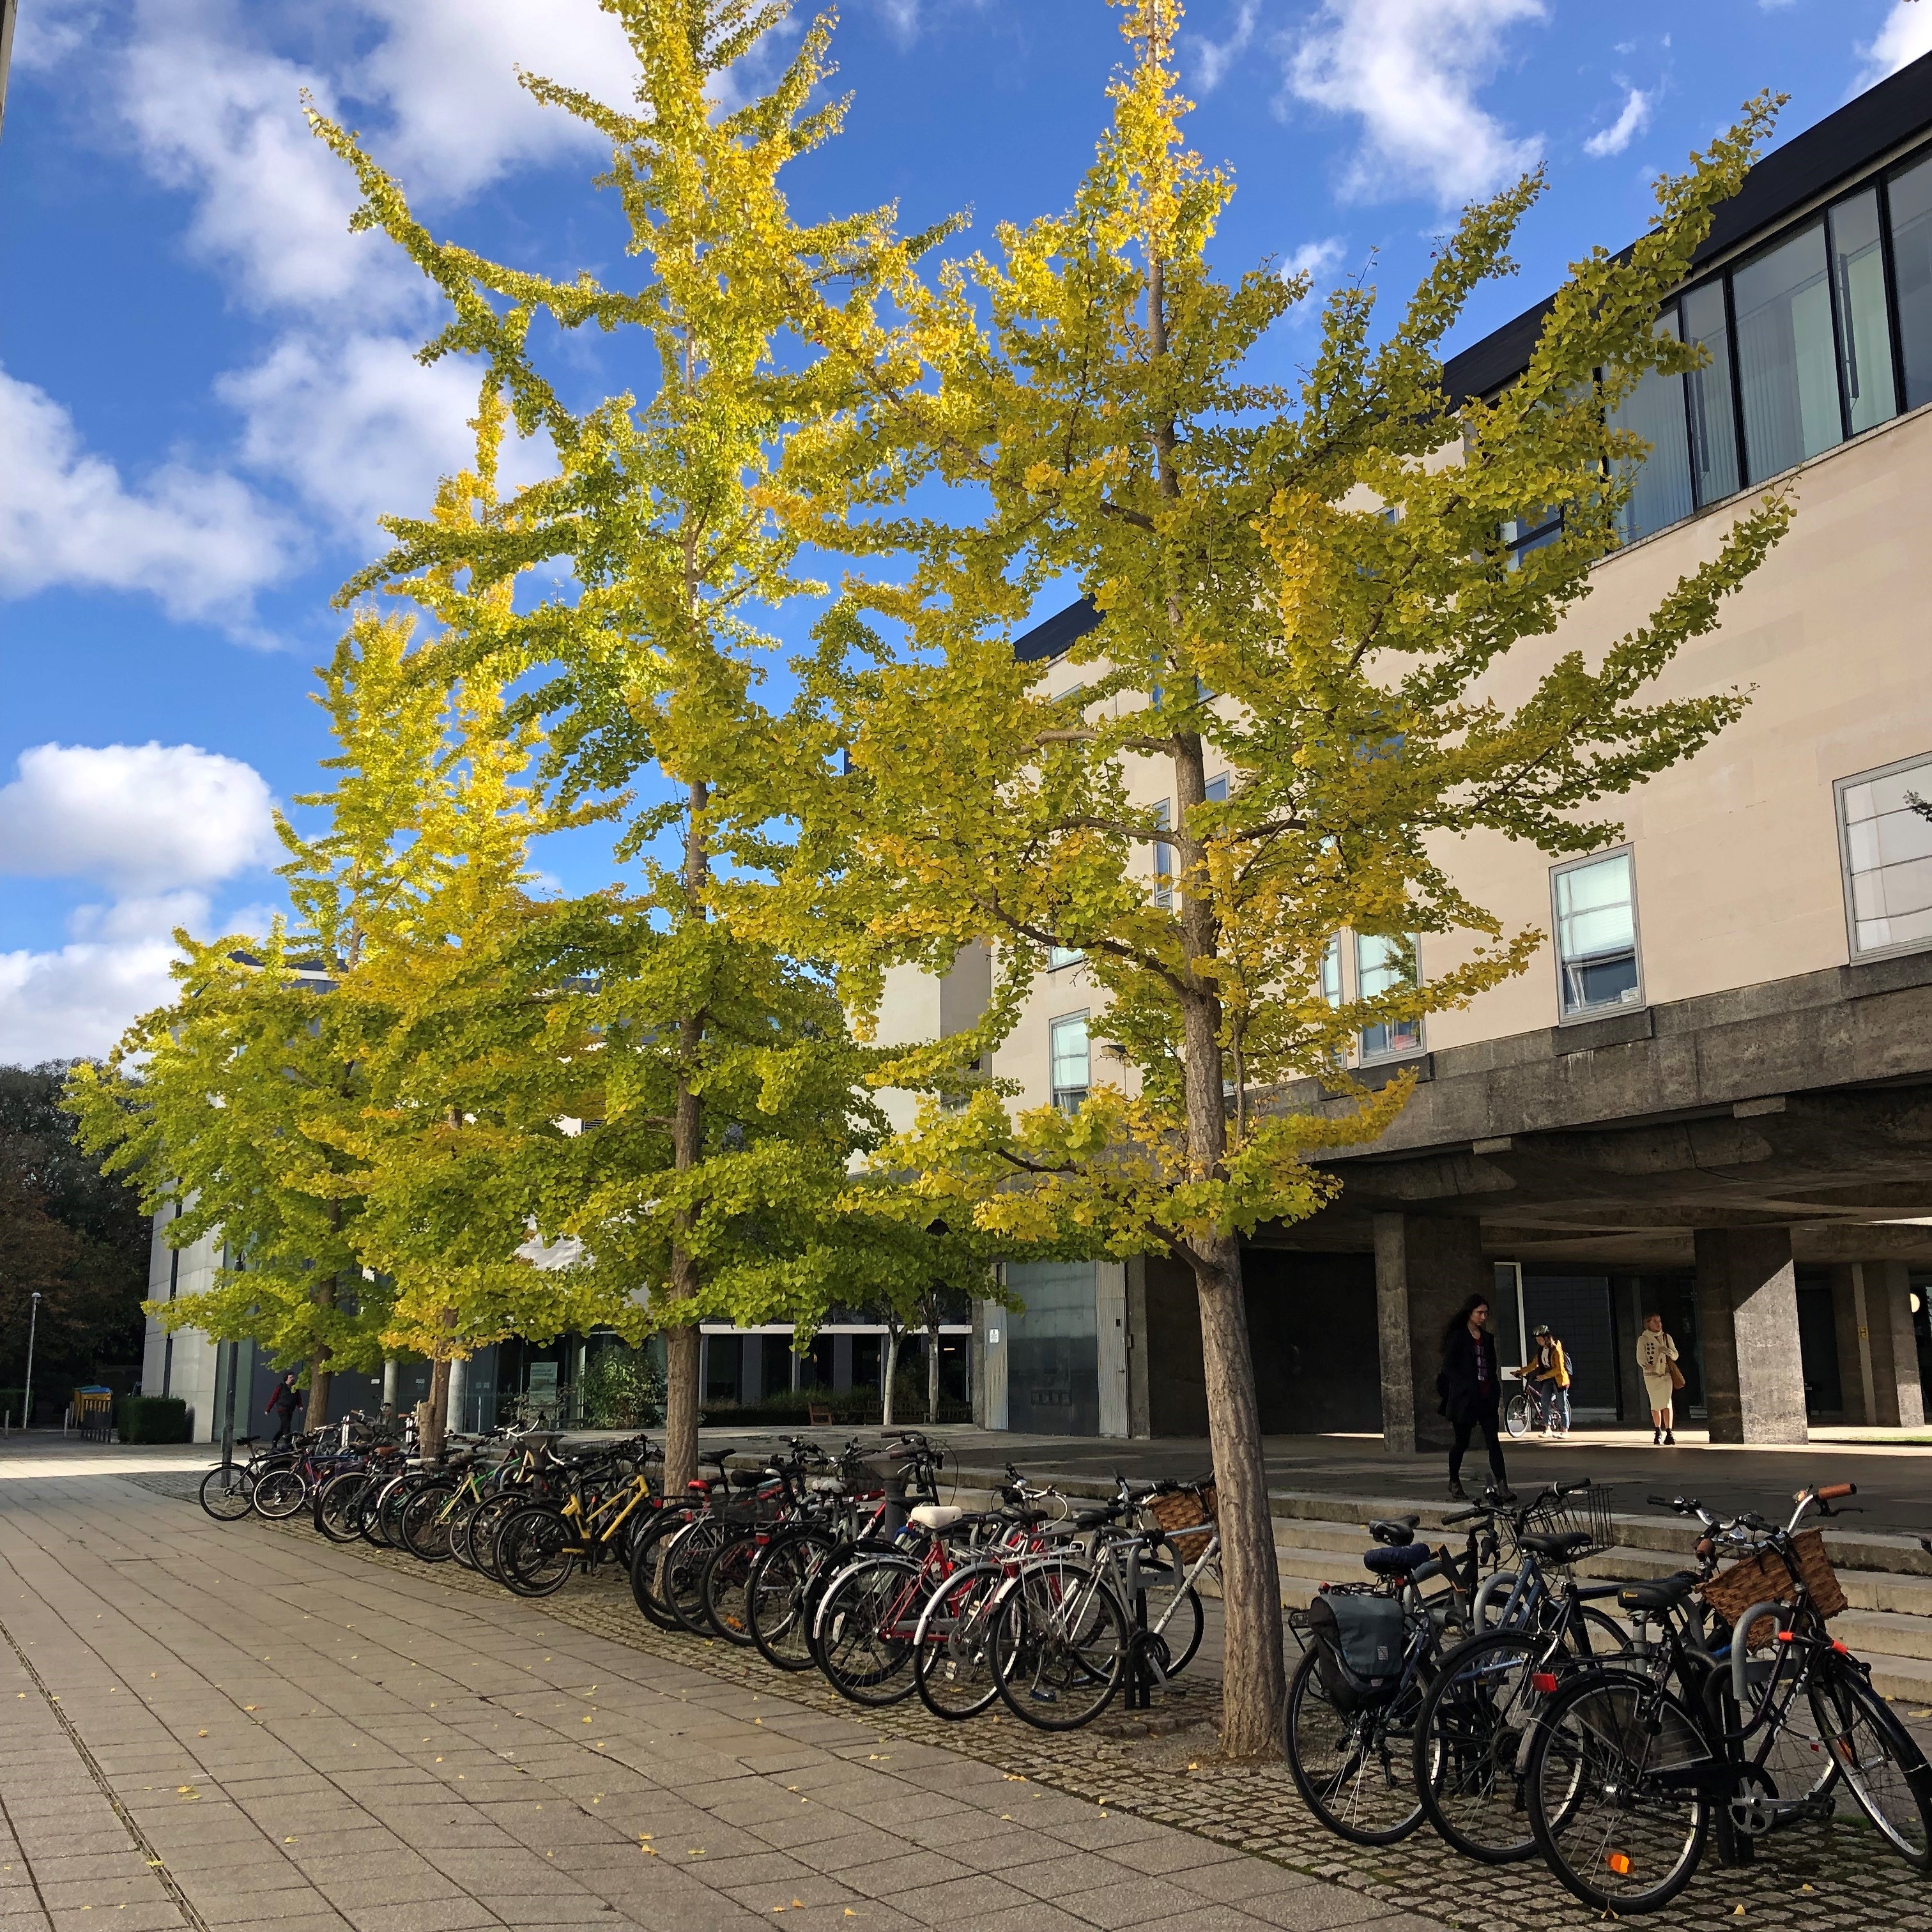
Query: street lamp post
column 27, row 1400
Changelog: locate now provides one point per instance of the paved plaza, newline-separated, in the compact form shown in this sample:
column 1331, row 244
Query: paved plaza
column 241, row 1725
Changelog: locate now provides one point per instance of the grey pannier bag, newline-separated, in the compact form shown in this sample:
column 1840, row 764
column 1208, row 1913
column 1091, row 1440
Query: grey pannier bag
column 1359, row 1645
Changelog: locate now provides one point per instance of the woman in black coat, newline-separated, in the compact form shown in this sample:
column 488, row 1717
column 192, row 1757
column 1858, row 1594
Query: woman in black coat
column 1470, row 1386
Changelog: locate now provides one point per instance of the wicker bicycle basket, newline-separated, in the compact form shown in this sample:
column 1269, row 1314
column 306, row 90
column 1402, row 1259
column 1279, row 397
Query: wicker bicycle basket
column 1584, row 1512
column 1195, row 1509
column 1764, row 1579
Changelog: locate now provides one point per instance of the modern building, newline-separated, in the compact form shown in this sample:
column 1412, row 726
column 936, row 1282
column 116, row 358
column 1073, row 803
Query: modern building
column 1710, row 1095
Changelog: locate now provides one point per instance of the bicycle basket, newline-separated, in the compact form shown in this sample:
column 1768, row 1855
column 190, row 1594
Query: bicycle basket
column 1195, row 1508
column 1584, row 1512
column 1764, row 1578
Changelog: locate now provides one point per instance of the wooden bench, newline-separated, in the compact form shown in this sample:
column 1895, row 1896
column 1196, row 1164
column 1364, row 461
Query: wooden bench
column 818, row 1417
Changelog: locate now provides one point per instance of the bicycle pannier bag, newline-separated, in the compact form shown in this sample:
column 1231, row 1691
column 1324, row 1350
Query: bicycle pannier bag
column 1359, row 1646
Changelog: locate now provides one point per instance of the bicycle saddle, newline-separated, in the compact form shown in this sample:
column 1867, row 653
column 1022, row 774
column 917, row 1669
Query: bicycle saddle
column 1563, row 1548
column 1395, row 1559
column 934, row 1516
column 1395, row 1532
column 746, row 1479
column 1661, row 1594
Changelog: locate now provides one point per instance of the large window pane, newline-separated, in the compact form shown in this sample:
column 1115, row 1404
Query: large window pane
column 1707, row 395
column 1865, row 329
column 1596, row 935
column 1889, row 858
column 1661, row 492
column 1787, row 363
column 1067, row 1039
column 1382, row 965
column 1910, row 194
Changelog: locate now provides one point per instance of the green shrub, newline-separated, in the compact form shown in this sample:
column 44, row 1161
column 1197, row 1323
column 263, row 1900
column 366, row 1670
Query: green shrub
column 152, row 1418
column 623, row 1388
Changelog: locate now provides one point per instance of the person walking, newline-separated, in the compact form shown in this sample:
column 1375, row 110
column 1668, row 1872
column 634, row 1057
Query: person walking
column 1546, row 1375
column 1657, row 1362
column 1470, row 1385
column 283, row 1400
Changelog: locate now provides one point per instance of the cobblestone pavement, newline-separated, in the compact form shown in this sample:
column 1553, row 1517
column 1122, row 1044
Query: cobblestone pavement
column 1158, row 1768
column 215, row 1725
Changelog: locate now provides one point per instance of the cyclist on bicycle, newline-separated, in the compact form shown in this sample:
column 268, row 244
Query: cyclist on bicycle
column 1546, row 1376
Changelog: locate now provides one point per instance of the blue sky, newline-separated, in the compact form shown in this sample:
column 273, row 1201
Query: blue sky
column 207, row 392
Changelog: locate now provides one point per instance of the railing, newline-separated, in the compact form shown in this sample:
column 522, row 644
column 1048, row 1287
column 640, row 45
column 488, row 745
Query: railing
column 94, row 1417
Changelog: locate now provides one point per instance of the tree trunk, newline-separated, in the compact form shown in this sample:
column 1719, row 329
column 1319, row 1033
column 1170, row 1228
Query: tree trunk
column 892, row 1368
column 318, row 1389
column 932, row 1368
column 1253, row 1677
column 433, row 1428
column 680, row 1439
column 687, row 1140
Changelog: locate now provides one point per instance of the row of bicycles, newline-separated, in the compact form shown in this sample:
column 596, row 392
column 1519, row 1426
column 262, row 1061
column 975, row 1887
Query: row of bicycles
column 841, row 1560
column 1612, row 1729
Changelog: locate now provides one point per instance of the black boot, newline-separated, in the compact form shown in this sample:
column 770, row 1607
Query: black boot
column 1457, row 1493
column 1656, row 1437
column 1670, row 1438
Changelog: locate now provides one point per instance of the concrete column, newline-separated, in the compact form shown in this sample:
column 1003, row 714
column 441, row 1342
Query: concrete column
column 390, row 1369
column 1139, row 1410
column 1898, row 1399
column 1855, row 1384
column 1426, row 1266
column 1747, row 1318
column 1110, row 1330
column 841, row 1364
column 459, row 1394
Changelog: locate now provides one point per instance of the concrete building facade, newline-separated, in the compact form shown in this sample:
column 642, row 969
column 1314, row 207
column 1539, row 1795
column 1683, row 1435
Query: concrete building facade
column 1710, row 1095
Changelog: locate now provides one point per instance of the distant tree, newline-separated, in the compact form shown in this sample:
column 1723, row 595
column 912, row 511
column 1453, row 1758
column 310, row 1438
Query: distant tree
column 75, row 1234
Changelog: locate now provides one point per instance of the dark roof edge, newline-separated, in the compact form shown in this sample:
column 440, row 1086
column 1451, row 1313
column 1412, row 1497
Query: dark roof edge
column 1058, row 633
column 1846, row 139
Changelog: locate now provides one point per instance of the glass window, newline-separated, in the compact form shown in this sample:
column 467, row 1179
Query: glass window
column 1163, row 861
column 1864, row 329
column 1382, row 965
column 1525, row 533
column 1886, row 820
column 1067, row 1045
column 1057, row 956
column 1660, row 488
column 1596, row 935
column 1217, row 790
column 1910, row 195
column 1707, row 395
column 1787, row 362
column 1331, row 972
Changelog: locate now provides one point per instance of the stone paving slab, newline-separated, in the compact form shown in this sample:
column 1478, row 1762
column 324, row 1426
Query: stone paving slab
column 220, row 1726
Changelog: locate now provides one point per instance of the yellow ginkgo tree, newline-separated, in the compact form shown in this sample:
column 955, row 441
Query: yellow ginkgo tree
column 1305, row 586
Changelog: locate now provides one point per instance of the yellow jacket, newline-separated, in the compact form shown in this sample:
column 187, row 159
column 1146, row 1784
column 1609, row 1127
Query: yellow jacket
column 1557, row 1371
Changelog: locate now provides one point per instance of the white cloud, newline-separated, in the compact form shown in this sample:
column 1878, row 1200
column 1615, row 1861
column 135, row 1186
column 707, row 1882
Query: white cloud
column 1624, row 129
column 1313, row 260
column 1214, row 59
column 197, row 539
column 1906, row 34
column 46, row 31
column 80, row 1000
column 147, row 820
column 1409, row 69
column 355, row 425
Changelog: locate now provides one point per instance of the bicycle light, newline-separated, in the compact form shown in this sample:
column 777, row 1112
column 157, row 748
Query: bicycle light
column 1618, row 1862
column 1544, row 1683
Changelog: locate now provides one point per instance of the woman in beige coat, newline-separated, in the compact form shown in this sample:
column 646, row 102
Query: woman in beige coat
column 1656, row 1356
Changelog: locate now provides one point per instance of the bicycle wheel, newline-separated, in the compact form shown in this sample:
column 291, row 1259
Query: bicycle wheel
column 1470, row 1733
column 395, row 1499
column 1880, row 1763
column 862, row 1634
column 485, row 1522
column 536, row 1550
column 461, row 1516
column 1518, row 1415
column 337, row 1503
column 1355, row 1769
column 1607, row 1784
column 728, row 1573
column 369, row 1524
column 1061, row 1647
column 1173, row 1610
column 423, row 1522
column 681, row 1581
column 647, row 1562
column 953, row 1644
column 779, row 1593
column 280, row 1493
column 228, row 1492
